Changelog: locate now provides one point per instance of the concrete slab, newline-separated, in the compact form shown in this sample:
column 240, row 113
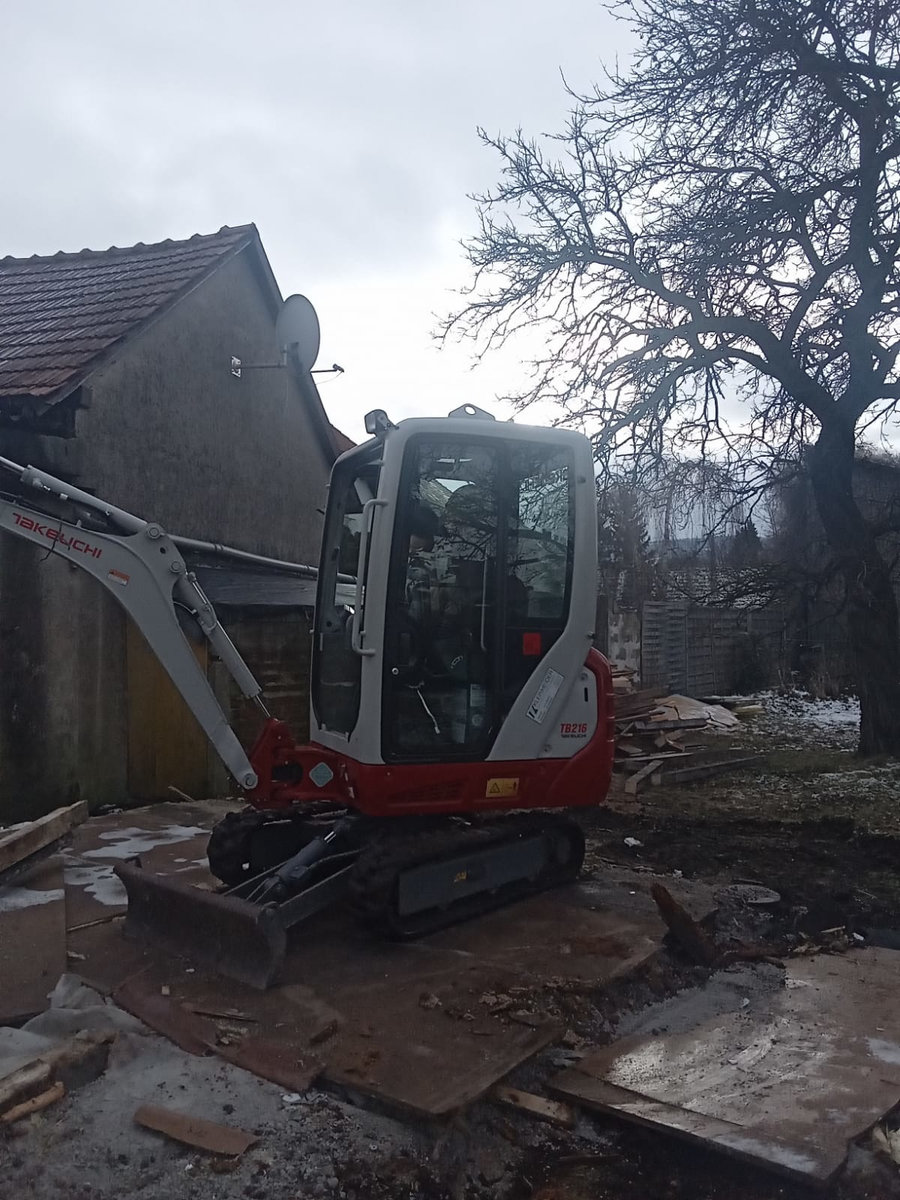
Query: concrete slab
column 785, row 1086
column 32, row 940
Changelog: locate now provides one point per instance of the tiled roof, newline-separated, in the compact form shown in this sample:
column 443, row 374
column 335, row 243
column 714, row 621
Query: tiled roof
column 59, row 313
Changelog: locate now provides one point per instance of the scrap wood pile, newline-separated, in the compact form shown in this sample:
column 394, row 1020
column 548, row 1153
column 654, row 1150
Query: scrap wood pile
column 661, row 738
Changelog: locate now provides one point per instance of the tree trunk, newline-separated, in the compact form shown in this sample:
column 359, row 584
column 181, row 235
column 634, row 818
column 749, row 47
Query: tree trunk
column 871, row 603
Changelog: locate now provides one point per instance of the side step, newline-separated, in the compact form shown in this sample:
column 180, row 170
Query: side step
column 232, row 936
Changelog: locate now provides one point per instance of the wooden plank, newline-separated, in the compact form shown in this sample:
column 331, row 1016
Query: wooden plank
column 194, row 1131
column 23, row 1082
column 632, row 702
column 35, row 1104
column 669, row 726
column 631, row 785
column 687, row 774
column 634, row 762
column 545, row 1110
column 20, row 843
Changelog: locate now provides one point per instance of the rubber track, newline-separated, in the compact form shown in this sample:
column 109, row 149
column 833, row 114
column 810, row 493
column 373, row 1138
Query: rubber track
column 373, row 884
column 231, row 841
column 228, row 847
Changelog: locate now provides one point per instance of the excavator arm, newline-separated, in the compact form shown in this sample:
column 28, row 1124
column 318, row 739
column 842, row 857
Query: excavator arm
column 139, row 564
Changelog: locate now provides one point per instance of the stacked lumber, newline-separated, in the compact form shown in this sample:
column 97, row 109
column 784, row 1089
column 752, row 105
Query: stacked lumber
column 655, row 738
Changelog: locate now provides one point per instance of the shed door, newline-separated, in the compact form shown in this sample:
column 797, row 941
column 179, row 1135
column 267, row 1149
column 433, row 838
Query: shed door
column 166, row 746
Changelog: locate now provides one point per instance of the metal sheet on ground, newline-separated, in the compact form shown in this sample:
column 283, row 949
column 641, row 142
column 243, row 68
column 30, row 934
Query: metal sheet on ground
column 407, row 1023
column 786, row 1087
column 32, row 940
column 437, row 1076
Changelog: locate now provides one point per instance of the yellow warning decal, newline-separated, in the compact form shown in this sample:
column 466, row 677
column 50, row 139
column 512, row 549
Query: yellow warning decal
column 501, row 787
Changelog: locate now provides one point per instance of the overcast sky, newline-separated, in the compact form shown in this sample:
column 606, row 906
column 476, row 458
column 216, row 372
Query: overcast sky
column 345, row 130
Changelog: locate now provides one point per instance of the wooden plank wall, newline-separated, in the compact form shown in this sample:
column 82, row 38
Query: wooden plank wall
column 166, row 746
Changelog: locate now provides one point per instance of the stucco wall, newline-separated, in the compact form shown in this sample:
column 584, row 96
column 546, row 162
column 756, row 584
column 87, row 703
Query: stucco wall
column 168, row 433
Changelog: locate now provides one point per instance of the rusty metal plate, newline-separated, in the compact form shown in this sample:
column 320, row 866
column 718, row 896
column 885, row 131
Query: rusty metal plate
column 32, row 940
column 786, row 1087
column 290, row 1066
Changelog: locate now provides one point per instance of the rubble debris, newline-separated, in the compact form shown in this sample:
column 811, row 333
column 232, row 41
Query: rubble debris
column 226, row 1140
column 23, row 841
column 546, row 1110
column 887, row 1141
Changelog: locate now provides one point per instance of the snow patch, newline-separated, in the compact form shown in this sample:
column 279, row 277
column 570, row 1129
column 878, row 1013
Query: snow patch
column 884, row 1051
column 14, row 898
column 100, row 882
column 134, row 841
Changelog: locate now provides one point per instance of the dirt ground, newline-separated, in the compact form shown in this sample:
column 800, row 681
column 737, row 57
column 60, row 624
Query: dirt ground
column 816, row 824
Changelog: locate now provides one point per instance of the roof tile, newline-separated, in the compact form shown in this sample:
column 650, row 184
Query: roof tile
column 60, row 311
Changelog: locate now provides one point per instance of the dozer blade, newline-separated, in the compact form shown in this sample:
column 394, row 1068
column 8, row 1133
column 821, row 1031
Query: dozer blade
column 233, row 937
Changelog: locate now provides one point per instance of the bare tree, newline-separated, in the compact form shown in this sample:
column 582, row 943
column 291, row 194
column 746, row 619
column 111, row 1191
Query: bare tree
column 711, row 252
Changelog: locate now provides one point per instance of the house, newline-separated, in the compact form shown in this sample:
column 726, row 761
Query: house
column 115, row 374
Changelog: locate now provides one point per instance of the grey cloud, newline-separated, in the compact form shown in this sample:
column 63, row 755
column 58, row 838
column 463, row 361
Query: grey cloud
column 346, row 131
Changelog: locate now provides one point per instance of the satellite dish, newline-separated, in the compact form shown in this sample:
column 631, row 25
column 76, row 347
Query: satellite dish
column 297, row 330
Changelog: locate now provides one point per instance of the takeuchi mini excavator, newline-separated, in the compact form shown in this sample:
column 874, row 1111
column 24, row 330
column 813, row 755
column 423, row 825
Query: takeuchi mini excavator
column 458, row 706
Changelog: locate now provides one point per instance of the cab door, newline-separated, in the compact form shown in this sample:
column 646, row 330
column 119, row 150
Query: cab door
column 478, row 589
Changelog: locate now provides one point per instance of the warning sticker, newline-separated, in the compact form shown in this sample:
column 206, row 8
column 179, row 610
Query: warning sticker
column 501, row 787
column 118, row 577
column 545, row 695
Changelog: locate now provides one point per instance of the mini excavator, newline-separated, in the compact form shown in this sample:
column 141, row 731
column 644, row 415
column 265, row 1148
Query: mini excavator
column 458, row 706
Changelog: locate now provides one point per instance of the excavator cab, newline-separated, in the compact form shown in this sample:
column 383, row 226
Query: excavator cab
column 473, row 547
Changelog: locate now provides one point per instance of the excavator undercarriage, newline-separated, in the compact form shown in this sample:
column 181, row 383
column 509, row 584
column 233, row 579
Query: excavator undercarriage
column 401, row 880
